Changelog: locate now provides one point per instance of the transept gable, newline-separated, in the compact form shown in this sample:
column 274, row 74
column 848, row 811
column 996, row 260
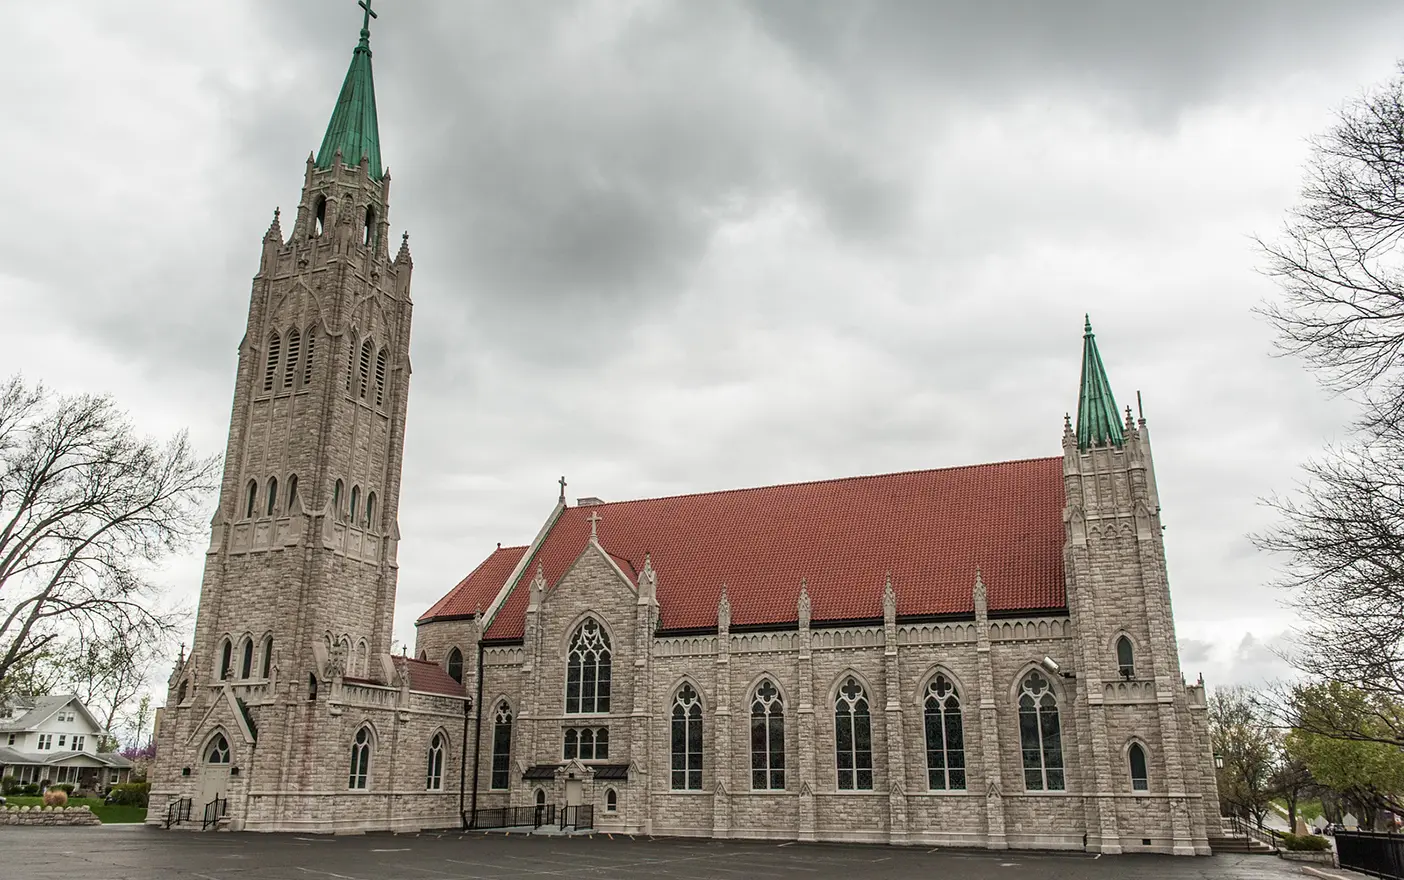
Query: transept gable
column 223, row 712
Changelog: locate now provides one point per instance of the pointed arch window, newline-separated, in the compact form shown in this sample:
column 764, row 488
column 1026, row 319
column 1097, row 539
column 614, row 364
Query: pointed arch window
column 226, row 660
column 853, row 737
column 307, row 355
column 611, row 800
column 272, row 506
column 945, row 736
column 502, row 748
column 267, row 656
column 454, row 665
column 1136, row 757
column 292, row 494
column 319, row 216
column 218, row 751
column 360, row 760
column 270, row 372
column 366, row 349
column 355, row 502
column 183, row 691
column 1125, row 657
column 370, row 509
column 380, row 376
column 767, row 737
column 1040, row 736
column 368, row 234
column 290, row 363
column 434, row 777
column 351, row 365
column 588, row 670
column 246, row 664
column 251, row 499
column 336, row 499
column 687, row 740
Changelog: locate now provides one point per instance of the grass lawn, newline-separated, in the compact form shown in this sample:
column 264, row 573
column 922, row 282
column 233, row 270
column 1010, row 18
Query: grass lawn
column 108, row 814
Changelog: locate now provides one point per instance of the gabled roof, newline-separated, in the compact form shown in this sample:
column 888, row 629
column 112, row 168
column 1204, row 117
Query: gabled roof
column 478, row 589
column 9, row 756
column 930, row 529
column 40, row 709
column 429, row 678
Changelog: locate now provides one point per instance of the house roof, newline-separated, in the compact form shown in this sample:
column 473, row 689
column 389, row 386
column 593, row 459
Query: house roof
column 929, row 529
column 478, row 589
column 37, row 710
column 430, row 678
column 9, row 756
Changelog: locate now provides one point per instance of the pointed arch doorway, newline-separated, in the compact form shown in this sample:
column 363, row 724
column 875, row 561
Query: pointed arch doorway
column 214, row 770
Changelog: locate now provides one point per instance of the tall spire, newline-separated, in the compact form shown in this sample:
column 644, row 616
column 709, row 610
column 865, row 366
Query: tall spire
column 1098, row 422
column 354, row 130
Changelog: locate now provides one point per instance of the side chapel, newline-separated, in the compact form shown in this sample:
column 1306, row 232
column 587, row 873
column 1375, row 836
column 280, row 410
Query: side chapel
column 970, row 656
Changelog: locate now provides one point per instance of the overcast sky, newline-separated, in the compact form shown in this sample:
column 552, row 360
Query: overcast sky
column 676, row 247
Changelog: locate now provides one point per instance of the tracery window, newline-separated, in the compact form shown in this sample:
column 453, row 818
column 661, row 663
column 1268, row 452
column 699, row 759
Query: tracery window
column 366, row 349
column 1125, row 657
column 380, row 376
column 945, row 736
column 290, row 363
column 454, row 665
column 586, row 743
column 1040, row 737
column 1136, row 757
column 270, row 372
column 687, row 740
column 434, row 777
column 767, row 737
column 218, row 752
column 360, row 760
column 502, row 747
column 853, row 737
column 588, row 670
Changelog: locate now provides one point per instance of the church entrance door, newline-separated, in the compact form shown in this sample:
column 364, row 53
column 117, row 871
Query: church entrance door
column 214, row 775
column 573, row 792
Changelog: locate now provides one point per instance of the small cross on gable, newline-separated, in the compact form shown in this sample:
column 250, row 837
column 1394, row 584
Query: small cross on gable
column 563, row 485
column 594, row 520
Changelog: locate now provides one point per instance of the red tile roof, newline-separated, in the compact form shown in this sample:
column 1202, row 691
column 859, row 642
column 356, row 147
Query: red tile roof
column 930, row 529
column 430, row 678
column 478, row 589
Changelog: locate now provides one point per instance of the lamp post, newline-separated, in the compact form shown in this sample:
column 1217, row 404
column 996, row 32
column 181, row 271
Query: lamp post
column 1218, row 761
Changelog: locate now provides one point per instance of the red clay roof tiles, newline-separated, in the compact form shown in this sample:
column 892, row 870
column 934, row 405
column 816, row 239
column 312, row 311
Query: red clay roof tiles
column 479, row 588
column 430, row 678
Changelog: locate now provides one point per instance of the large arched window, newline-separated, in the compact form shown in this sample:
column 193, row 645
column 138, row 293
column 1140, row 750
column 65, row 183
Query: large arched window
column 272, row 506
column 945, row 736
column 364, row 384
column 307, row 355
column 587, row 670
column 767, row 737
column 226, row 660
column 434, row 777
column 218, row 751
column 380, row 375
column 360, row 760
column 1136, row 757
column 853, row 737
column 502, row 747
column 246, row 664
column 251, row 499
column 290, row 362
column 454, row 665
column 270, row 372
column 1125, row 657
column 687, row 740
column 1040, row 737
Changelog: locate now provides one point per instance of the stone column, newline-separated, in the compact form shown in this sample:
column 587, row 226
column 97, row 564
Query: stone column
column 721, row 724
column 989, row 723
column 640, row 718
column 804, row 714
column 893, row 720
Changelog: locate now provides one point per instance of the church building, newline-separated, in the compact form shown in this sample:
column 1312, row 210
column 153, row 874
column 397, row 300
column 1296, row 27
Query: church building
column 977, row 656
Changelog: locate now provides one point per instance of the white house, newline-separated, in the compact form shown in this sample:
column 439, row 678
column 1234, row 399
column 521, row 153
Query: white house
column 56, row 739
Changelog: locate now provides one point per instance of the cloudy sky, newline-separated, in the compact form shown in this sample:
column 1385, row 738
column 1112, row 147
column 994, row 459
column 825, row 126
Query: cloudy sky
column 673, row 247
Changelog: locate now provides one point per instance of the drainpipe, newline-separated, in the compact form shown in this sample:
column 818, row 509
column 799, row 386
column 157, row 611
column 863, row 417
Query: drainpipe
column 463, row 761
column 477, row 726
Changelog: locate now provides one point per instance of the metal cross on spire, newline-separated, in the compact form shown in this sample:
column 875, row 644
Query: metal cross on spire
column 366, row 19
column 594, row 520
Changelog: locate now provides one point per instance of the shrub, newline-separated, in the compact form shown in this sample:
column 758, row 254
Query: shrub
column 9, row 785
column 1305, row 842
column 130, row 794
column 65, row 787
column 30, row 790
column 55, row 797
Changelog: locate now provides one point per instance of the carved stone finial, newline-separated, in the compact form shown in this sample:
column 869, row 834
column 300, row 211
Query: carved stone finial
column 889, row 600
column 403, row 258
column 1067, row 423
column 723, row 610
column 802, row 606
column 1130, row 422
column 981, row 600
column 648, row 578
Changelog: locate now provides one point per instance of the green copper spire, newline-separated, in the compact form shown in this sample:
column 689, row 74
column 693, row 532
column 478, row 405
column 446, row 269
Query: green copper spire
column 353, row 129
column 1098, row 422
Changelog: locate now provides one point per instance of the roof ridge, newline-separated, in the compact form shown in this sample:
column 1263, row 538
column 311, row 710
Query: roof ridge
column 849, row 479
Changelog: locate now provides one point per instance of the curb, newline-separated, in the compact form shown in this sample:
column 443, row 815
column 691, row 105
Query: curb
column 1328, row 875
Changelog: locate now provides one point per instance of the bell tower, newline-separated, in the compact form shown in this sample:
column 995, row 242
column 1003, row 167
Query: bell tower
column 300, row 573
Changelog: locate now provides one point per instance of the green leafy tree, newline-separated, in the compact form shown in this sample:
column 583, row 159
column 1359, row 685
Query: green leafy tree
column 1345, row 737
column 1238, row 733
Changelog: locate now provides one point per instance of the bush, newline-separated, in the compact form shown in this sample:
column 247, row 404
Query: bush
column 130, row 794
column 1305, row 843
column 30, row 790
column 65, row 787
column 9, row 785
column 55, row 797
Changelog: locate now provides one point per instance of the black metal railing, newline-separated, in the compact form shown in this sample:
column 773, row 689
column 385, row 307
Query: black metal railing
column 178, row 811
column 1371, row 852
column 578, row 817
column 214, row 811
column 1252, row 831
column 514, row 817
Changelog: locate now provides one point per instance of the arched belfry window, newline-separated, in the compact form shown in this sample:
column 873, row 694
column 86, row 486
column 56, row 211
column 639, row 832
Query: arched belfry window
column 1040, row 736
column 319, row 215
column 945, row 736
column 368, row 237
column 502, row 748
column 251, row 501
column 307, row 355
column 360, row 760
column 267, row 656
column 246, row 665
column 226, row 660
column 434, row 777
column 767, row 737
column 853, row 737
column 380, row 360
column 687, row 740
column 588, row 670
column 454, row 665
column 1125, row 657
column 1136, row 757
column 218, row 751
column 272, row 496
column 290, row 363
column 270, row 372
column 367, row 348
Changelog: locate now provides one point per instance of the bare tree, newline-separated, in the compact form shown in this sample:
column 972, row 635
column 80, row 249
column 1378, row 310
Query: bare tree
column 1249, row 748
column 88, row 509
column 109, row 673
column 1338, row 261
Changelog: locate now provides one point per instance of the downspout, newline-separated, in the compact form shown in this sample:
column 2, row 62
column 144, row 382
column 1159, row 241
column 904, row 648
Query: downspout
column 463, row 762
column 477, row 726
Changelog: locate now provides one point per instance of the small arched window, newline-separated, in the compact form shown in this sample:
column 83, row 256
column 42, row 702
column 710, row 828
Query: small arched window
column 307, row 356
column 611, row 800
column 336, row 499
column 246, row 665
column 541, row 797
column 1125, row 657
column 312, row 687
column 454, row 665
column 588, row 670
column 182, row 691
column 571, row 748
column 853, row 737
column 267, row 656
column 380, row 360
column 292, row 494
column 367, row 349
column 319, row 216
column 355, row 502
column 502, row 748
column 226, row 660
column 767, row 738
column 272, row 495
column 270, row 372
column 360, row 760
column 434, row 778
column 370, row 509
column 368, row 235
column 1040, row 736
column 687, row 740
column 251, row 501
column 290, row 363
column 218, row 752
column 1136, row 757
column 351, row 365
column 423, row 655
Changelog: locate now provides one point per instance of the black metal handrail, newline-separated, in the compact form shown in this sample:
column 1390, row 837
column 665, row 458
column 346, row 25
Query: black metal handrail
column 1377, row 853
column 579, row 817
column 214, row 811
column 1266, row 836
column 178, row 811
column 513, row 817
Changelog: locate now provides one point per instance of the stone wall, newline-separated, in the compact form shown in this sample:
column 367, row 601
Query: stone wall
column 48, row 816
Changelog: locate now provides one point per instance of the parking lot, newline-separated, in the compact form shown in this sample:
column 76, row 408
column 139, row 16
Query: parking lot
column 140, row 853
